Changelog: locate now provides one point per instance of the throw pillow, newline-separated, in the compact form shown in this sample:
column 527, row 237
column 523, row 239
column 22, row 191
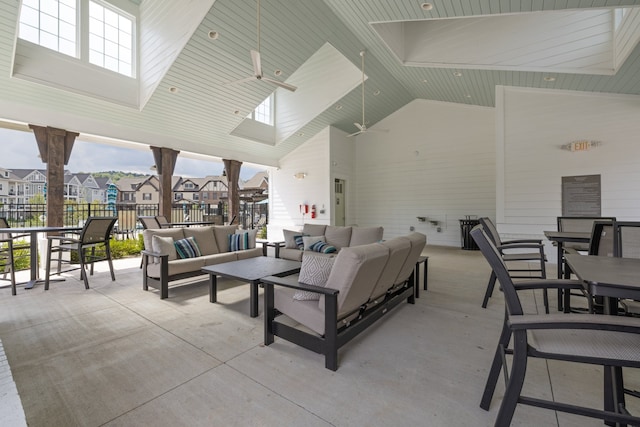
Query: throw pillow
column 289, row 242
column 237, row 242
column 315, row 271
column 308, row 241
column 298, row 238
column 323, row 248
column 249, row 236
column 164, row 246
column 187, row 248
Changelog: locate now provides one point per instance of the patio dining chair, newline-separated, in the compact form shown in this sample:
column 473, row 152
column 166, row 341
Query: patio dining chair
column 512, row 251
column 149, row 222
column 12, row 246
column 608, row 341
column 627, row 245
column 505, row 337
column 95, row 233
column 162, row 220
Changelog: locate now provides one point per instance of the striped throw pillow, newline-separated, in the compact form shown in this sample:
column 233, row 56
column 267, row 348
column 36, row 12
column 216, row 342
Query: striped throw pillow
column 187, row 248
column 238, row 242
column 322, row 247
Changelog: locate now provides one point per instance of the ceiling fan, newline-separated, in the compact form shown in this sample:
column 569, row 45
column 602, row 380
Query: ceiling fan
column 362, row 127
column 257, row 65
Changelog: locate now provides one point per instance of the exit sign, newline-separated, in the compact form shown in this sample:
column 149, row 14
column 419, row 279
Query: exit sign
column 582, row 145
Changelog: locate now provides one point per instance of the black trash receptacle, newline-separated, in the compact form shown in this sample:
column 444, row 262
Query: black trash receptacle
column 466, row 225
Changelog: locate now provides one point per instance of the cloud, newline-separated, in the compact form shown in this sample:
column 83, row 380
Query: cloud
column 21, row 152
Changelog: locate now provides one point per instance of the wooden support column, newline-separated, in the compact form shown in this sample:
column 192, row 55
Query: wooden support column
column 165, row 159
column 233, row 175
column 55, row 147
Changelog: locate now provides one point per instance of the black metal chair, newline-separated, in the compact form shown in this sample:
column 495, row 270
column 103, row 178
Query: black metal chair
column 11, row 247
column 506, row 248
column 95, row 233
column 162, row 221
column 627, row 245
column 149, row 222
column 582, row 224
column 609, row 341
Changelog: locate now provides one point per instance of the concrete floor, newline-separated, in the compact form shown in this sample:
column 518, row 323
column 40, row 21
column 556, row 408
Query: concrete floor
column 116, row 355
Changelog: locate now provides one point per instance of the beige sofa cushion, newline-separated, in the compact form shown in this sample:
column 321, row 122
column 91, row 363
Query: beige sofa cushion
column 175, row 233
column 292, row 254
column 304, row 312
column 205, row 239
column 418, row 242
column 249, row 253
column 222, row 236
column 365, row 235
column 289, row 241
column 314, row 229
column 338, row 237
column 354, row 274
column 165, row 246
column 219, row 258
column 177, row 266
column 399, row 248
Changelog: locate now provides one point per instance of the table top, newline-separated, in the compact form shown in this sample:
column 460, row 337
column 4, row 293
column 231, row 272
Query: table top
column 37, row 229
column 607, row 276
column 254, row 268
column 568, row 236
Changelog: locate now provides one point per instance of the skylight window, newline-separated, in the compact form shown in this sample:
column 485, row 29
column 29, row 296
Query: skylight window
column 50, row 23
column 264, row 112
column 110, row 39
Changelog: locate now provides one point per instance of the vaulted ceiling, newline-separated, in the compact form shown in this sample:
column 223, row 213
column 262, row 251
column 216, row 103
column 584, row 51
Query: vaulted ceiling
column 184, row 101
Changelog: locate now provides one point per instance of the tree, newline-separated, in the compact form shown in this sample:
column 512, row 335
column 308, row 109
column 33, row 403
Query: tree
column 38, row 199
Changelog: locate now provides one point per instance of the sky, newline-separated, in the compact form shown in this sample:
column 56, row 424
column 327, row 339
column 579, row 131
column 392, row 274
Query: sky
column 20, row 151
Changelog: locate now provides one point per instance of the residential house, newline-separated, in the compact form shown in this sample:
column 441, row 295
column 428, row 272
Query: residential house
column 30, row 182
column 139, row 190
column 92, row 189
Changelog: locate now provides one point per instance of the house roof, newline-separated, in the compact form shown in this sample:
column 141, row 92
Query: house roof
column 184, row 101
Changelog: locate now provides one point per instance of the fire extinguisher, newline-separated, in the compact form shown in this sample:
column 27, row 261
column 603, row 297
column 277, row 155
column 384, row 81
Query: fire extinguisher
column 313, row 211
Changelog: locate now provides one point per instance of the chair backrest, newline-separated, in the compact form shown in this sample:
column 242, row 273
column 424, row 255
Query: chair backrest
column 149, row 222
column 580, row 224
column 399, row 249
column 4, row 224
column 627, row 236
column 97, row 229
column 498, row 266
column 602, row 240
column 162, row 220
column 491, row 230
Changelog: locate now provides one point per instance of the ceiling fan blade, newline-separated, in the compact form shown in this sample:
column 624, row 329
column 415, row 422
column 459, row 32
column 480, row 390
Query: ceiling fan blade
column 283, row 85
column 361, row 127
column 257, row 64
column 355, row 133
column 247, row 79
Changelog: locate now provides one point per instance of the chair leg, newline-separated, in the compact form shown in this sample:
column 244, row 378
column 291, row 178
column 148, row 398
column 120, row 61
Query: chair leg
column 516, row 380
column 12, row 271
column 108, row 253
column 545, row 298
column 496, row 365
column 489, row 292
column 48, row 268
column 93, row 257
column 83, row 272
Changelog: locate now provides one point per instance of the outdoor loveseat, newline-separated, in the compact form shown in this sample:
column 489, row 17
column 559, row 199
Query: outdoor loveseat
column 334, row 236
column 363, row 284
column 177, row 253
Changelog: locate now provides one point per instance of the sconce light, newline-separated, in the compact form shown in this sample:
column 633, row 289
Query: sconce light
column 300, row 175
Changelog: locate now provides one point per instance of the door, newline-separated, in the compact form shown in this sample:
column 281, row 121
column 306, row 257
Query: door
column 339, row 202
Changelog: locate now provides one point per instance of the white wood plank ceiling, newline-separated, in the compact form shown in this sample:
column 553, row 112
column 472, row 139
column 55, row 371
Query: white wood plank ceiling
column 201, row 114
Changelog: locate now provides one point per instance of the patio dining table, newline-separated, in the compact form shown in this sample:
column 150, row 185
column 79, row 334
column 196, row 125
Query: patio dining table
column 612, row 278
column 33, row 245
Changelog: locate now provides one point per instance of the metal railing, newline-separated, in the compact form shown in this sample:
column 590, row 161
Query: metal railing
column 30, row 215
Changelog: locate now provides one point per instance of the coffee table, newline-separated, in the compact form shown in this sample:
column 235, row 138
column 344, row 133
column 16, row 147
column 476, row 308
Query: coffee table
column 250, row 270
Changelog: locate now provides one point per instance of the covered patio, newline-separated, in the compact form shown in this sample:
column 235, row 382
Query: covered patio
column 116, row 355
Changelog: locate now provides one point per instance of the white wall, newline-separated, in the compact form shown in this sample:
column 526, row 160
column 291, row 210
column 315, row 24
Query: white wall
column 343, row 167
column 287, row 192
column 436, row 161
column 531, row 126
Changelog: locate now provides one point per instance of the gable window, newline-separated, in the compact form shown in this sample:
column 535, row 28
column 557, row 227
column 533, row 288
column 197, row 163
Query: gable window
column 264, row 112
column 110, row 39
column 146, row 196
column 104, row 36
column 188, row 186
column 50, row 23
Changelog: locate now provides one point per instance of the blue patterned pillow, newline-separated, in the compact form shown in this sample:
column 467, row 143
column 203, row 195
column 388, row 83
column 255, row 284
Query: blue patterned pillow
column 322, row 247
column 238, row 242
column 187, row 248
column 299, row 241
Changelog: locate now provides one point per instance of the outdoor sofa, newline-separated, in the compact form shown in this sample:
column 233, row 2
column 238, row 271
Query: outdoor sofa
column 336, row 237
column 177, row 253
column 362, row 285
